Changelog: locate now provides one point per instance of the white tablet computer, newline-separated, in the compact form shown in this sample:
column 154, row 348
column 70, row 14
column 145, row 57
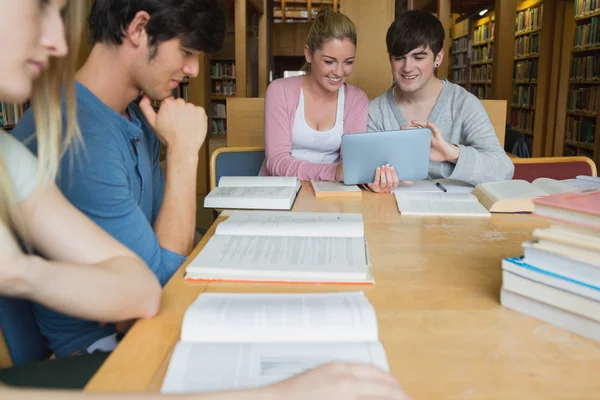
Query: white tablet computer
column 405, row 150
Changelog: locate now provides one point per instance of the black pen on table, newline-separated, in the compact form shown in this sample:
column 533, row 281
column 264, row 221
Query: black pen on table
column 441, row 187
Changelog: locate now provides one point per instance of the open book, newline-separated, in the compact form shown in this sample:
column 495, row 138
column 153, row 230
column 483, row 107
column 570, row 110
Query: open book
column 518, row 195
column 439, row 204
column 285, row 247
column 254, row 192
column 238, row 341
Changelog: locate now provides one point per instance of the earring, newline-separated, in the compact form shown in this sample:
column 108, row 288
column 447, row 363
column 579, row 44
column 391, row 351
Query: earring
column 437, row 65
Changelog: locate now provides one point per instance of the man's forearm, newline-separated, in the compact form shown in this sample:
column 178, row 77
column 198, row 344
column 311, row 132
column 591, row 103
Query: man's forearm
column 176, row 221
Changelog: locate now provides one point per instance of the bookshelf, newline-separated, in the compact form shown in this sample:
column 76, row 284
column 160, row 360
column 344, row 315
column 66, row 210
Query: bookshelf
column 459, row 54
column 533, row 74
column 222, row 85
column 581, row 133
column 482, row 49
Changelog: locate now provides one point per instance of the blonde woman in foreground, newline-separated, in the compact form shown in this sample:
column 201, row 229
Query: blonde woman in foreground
column 83, row 271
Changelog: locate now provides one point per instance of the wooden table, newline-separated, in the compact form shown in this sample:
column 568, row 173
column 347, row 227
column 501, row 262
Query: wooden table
column 437, row 301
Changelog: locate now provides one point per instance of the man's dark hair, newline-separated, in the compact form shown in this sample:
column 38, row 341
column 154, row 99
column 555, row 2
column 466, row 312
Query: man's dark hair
column 412, row 30
column 200, row 24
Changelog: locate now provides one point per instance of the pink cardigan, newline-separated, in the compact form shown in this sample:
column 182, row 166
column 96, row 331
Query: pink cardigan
column 281, row 102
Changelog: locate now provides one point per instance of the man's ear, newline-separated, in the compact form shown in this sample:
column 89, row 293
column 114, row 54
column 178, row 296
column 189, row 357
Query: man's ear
column 439, row 58
column 136, row 31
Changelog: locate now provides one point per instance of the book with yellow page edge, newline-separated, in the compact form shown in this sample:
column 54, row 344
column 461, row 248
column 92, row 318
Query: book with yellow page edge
column 518, row 195
column 254, row 193
column 335, row 189
column 241, row 341
column 262, row 246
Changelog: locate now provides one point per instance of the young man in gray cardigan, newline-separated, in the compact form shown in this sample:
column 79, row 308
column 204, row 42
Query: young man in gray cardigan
column 464, row 145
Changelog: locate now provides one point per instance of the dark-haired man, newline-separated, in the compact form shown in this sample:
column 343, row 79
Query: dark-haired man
column 464, row 145
column 139, row 47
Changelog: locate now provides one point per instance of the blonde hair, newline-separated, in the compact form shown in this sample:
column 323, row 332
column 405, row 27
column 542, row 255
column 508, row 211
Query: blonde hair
column 58, row 78
column 329, row 25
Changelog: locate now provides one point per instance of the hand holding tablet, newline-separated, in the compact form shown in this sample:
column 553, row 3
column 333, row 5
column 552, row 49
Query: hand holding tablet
column 406, row 152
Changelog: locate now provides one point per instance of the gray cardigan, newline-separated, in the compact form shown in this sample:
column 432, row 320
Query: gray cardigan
column 463, row 121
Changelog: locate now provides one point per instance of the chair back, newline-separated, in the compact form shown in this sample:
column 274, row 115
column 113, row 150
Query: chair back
column 22, row 341
column 235, row 161
column 530, row 169
column 245, row 121
column 496, row 110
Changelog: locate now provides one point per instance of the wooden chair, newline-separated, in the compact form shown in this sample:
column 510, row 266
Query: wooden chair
column 530, row 169
column 235, row 161
column 496, row 110
column 245, row 121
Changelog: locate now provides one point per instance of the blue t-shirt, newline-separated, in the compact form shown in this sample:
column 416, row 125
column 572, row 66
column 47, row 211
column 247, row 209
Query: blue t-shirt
column 116, row 180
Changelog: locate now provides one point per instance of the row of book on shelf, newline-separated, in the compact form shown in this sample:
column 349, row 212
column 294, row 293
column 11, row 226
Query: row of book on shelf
column 524, row 96
column 583, row 100
column 483, row 33
column 224, row 87
column 522, row 120
column 459, row 76
column 11, row 113
column 588, row 35
column 585, row 7
column 529, row 19
column 481, row 73
column 558, row 278
column 580, row 131
column 222, row 70
column 460, row 60
column 585, row 68
column 460, row 44
column 525, row 71
column 219, row 126
column 527, row 46
column 479, row 54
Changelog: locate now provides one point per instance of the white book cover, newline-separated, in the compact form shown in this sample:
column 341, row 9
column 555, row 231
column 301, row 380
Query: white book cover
column 239, row 341
column 254, row 192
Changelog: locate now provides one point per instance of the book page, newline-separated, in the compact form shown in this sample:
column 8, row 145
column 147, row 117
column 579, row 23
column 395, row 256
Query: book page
column 293, row 224
column 436, row 196
column 310, row 317
column 583, row 182
column 451, row 185
column 552, row 186
column 207, row 367
column 515, row 189
column 588, row 178
column 422, row 207
column 282, row 258
column 263, row 181
column 242, row 192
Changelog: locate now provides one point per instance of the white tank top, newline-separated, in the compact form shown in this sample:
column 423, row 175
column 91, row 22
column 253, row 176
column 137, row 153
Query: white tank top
column 315, row 146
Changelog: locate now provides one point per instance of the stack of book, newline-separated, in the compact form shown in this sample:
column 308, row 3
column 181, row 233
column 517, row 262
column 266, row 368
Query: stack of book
column 558, row 279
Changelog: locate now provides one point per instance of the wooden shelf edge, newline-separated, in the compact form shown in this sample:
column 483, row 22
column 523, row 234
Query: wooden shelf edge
column 584, row 82
column 522, row 33
column 529, row 57
column 588, row 15
column 585, row 49
column 489, row 41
